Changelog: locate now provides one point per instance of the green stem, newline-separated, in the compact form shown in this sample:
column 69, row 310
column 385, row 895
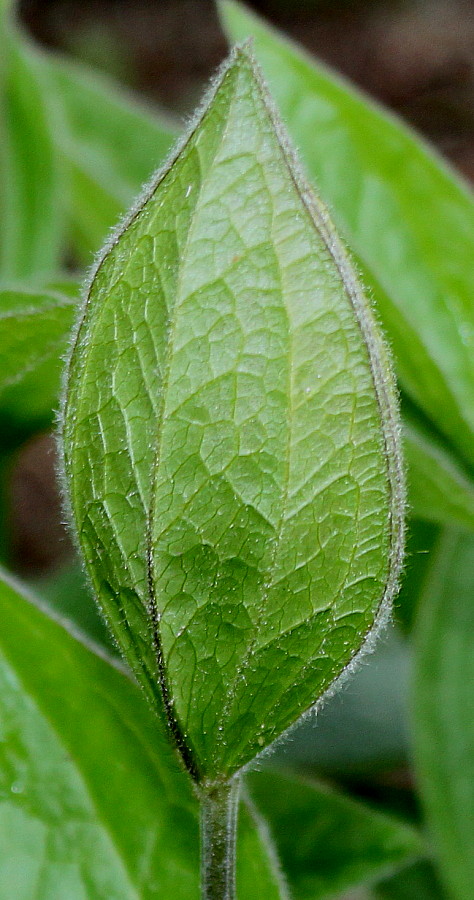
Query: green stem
column 219, row 805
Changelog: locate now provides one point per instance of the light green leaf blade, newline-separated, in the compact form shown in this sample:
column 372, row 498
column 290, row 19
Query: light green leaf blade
column 109, row 145
column 34, row 330
column 443, row 716
column 240, row 515
column 405, row 215
column 94, row 803
column 30, row 181
column 328, row 843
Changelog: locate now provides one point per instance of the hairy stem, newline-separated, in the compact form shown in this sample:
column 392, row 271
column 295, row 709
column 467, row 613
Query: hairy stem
column 219, row 805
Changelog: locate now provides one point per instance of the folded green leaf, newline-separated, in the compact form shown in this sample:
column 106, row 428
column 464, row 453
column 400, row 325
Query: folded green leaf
column 109, row 146
column 407, row 217
column 34, row 329
column 93, row 802
column 328, row 843
column 443, row 715
column 230, row 439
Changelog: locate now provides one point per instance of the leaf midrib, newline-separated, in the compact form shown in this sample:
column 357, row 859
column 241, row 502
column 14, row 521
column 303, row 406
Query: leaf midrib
column 188, row 755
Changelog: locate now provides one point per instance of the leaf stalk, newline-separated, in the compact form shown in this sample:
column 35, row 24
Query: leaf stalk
column 219, row 803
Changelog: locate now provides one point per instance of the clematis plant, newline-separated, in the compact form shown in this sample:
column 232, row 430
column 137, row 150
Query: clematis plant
column 231, row 452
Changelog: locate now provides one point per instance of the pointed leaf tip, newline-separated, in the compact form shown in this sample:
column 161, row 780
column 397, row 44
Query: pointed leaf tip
column 231, row 439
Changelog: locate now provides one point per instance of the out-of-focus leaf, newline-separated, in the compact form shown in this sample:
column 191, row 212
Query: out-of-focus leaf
column 93, row 801
column 34, row 329
column 66, row 592
column 417, row 881
column 443, row 709
column 242, row 508
column 407, row 217
column 441, row 489
column 30, row 184
column 326, row 842
column 422, row 537
column 109, row 145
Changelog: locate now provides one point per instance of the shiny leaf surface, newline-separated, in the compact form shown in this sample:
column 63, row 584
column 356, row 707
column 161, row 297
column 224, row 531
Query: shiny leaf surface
column 93, row 802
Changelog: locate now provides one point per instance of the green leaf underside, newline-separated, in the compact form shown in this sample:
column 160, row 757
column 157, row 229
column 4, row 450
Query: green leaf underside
column 34, row 328
column 443, row 720
column 92, row 802
column 229, row 440
column 406, row 216
column 328, row 843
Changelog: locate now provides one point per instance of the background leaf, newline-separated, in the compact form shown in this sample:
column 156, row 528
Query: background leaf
column 109, row 145
column 328, row 843
column 224, row 333
column 418, row 880
column 443, row 720
column 441, row 488
column 66, row 592
column 31, row 237
column 34, row 331
column 93, row 802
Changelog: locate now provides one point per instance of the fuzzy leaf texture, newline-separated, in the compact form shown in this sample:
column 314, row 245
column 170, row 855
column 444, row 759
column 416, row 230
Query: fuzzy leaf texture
column 230, row 439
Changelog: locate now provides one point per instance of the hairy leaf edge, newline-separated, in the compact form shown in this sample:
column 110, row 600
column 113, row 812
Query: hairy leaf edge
column 380, row 368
